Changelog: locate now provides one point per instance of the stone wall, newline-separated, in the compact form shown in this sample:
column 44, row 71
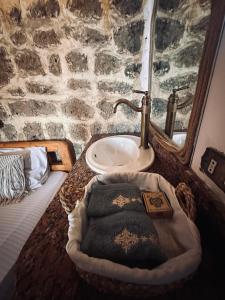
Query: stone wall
column 61, row 70
column 180, row 31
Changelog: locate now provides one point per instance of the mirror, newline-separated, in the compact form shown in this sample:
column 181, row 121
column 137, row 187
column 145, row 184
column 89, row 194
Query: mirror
column 183, row 55
column 178, row 41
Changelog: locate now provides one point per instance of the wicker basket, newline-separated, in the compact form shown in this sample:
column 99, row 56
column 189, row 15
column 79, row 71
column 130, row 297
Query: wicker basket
column 108, row 285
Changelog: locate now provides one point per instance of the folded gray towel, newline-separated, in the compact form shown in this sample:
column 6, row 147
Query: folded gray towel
column 126, row 237
column 111, row 198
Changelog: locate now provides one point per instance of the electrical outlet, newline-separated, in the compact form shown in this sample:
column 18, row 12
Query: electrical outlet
column 212, row 166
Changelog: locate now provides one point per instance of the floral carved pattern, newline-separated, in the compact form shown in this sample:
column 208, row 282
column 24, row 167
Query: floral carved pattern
column 127, row 239
column 121, row 200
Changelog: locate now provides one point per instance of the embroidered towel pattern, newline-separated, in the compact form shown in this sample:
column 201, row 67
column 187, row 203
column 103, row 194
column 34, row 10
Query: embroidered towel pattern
column 126, row 237
column 111, row 198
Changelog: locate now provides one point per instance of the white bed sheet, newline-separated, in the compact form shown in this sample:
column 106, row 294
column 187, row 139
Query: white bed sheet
column 17, row 221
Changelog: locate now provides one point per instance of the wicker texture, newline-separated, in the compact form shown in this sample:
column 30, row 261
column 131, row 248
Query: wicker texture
column 186, row 200
column 73, row 188
column 108, row 285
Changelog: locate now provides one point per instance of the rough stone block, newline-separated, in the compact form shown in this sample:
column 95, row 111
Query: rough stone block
column 128, row 112
column 205, row 3
column 129, row 37
column 78, row 149
column 52, row 8
column 128, row 7
column 55, row 130
column 115, row 87
column 137, row 127
column 10, row 132
column 87, row 8
column 29, row 61
column 201, row 26
column 188, row 97
column 189, row 56
column 159, row 107
column 55, row 65
column 179, row 125
column 179, row 81
column 16, row 92
column 43, row 9
column 44, row 39
column 3, row 113
column 96, row 128
column 77, row 109
column 168, row 33
column 106, row 109
column 6, row 67
column 75, row 84
column 32, row 108
column 33, row 131
column 133, row 70
column 87, row 36
column 79, row 132
column 92, row 36
column 39, row 88
column 169, row 5
column 106, row 64
column 15, row 15
column 77, row 62
column 161, row 67
column 18, row 38
column 119, row 128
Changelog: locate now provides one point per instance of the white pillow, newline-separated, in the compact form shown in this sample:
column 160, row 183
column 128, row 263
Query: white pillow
column 36, row 165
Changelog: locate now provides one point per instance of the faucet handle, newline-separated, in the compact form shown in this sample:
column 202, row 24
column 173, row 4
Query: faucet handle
column 140, row 92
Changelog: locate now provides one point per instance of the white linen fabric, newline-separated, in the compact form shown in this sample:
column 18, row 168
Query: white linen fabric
column 17, row 221
column 179, row 237
column 35, row 162
column 12, row 179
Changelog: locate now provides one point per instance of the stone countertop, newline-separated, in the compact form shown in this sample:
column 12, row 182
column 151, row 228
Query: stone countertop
column 44, row 269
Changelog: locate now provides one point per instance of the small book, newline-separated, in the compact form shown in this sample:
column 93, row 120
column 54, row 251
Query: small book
column 157, row 205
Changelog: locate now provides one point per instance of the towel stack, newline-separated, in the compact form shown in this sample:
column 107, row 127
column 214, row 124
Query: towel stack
column 119, row 228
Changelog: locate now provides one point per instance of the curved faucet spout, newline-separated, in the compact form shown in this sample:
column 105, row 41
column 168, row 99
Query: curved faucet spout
column 145, row 110
column 128, row 103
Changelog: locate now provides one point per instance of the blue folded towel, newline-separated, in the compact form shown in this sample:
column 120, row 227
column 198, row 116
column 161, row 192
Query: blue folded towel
column 126, row 237
column 111, row 198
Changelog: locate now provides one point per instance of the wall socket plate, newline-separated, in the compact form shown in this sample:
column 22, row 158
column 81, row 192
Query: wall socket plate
column 213, row 165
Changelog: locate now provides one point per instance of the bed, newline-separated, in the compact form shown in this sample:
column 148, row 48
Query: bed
column 17, row 221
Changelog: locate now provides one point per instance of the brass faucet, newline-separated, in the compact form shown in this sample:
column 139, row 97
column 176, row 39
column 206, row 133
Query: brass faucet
column 172, row 108
column 145, row 110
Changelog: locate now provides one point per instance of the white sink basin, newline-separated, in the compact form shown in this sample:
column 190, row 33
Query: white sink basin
column 120, row 153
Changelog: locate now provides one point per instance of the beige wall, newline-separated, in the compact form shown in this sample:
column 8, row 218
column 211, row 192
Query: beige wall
column 212, row 129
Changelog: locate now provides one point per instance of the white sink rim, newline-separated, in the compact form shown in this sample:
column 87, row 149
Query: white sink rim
column 140, row 161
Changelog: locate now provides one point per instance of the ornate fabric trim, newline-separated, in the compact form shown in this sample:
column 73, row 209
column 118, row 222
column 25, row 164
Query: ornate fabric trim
column 121, row 200
column 127, row 239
